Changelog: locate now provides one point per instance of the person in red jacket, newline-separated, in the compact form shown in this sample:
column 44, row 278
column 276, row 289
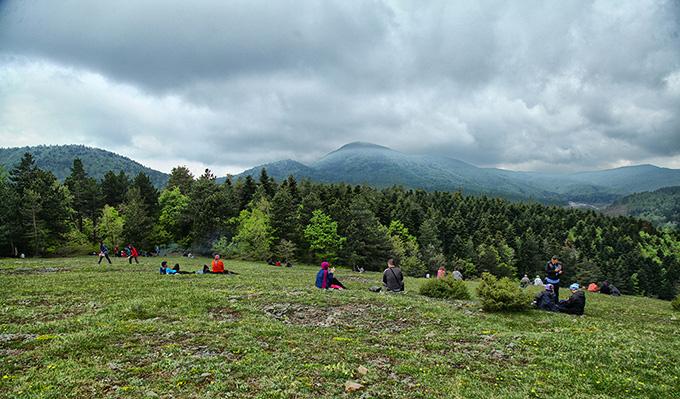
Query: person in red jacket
column 132, row 254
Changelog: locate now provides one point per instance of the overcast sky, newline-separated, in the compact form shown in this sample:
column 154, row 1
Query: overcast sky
column 529, row 85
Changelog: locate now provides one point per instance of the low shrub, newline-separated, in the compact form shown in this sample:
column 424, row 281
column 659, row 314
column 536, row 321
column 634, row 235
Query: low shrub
column 502, row 295
column 676, row 303
column 445, row 288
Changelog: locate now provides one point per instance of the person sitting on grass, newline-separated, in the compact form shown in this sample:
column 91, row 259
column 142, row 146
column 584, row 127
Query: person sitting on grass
column 393, row 279
column 593, row 287
column 457, row 274
column 538, row 281
column 325, row 278
column 441, row 273
column 576, row 303
column 524, row 282
column 217, row 267
column 545, row 300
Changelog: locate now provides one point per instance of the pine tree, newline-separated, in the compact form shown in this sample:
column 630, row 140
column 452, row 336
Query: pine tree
column 114, row 187
column 182, row 178
column 137, row 225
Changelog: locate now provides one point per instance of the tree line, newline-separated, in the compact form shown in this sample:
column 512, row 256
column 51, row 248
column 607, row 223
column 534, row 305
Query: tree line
column 357, row 226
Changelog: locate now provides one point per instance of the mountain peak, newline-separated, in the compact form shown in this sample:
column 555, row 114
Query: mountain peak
column 361, row 144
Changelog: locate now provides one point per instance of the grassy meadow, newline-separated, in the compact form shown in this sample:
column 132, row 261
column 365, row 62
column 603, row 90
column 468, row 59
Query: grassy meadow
column 72, row 329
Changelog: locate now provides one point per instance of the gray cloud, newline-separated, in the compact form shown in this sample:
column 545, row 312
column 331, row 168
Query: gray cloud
column 229, row 85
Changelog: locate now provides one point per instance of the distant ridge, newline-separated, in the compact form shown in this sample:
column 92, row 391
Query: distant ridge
column 59, row 158
column 380, row 166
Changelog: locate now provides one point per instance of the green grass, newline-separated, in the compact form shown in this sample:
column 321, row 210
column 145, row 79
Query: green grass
column 125, row 331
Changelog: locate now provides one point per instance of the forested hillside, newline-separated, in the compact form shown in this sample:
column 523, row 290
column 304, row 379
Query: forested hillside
column 661, row 207
column 58, row 159
column 358, row 226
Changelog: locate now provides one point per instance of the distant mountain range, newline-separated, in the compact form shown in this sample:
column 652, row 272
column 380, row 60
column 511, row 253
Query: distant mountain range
column 365, row 163
column 59, row 158
column 379, row 166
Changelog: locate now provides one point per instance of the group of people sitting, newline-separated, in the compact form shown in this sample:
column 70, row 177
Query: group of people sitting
column 606, row 288
column 456, row 274
column 216, row 267
column 547, row 300
column 393, row 278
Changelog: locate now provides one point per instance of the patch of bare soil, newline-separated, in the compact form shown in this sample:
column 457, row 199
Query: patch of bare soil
column 224, row 314
column 349, row 315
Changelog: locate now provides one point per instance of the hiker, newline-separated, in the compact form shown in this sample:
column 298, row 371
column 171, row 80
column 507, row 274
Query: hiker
column 287, row 263
column 103, row 253
column 132, row 253
column 545, row 300
column 392, row 277
column 217, row 267
column 441, row 273
column 553, row 269
column 457, row 275
column 165, row 269
column 538, row 281
column 116, row 251
column 576, row 302
column 593, row 287
column 524, row 282
column 325, row 278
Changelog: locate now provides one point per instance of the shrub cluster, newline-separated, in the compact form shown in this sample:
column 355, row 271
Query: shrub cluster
column 676, row 303
column 502, row 295
column 445, row 288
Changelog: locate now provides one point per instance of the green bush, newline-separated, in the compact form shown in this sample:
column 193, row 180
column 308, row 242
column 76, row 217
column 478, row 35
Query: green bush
column 676, row 303
column 445, row 288
column 502, row 295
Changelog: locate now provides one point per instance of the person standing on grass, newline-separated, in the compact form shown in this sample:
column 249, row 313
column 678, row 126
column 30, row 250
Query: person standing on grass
column 393, row 279
column 103, row 253
column 553, row 269
column 132, row 253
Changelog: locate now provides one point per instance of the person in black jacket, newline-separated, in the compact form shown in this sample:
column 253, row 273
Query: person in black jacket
column 545, row 300
column 553, row 269
column 576, row 303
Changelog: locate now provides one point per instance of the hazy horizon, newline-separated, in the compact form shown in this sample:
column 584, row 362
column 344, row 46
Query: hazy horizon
column 554, row 87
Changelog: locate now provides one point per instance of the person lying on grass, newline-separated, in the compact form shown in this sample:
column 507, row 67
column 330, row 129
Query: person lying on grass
column 325, row 278
column 545, row 300
column 217, row 267
column 576, row 303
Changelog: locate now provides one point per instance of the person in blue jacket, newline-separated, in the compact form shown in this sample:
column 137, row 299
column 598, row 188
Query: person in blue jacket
column 165, row 269
column 325, row 278
column 545, row 300
column 103, row 253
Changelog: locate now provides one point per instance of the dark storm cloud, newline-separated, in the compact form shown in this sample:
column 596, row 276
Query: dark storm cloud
column 530, row 85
